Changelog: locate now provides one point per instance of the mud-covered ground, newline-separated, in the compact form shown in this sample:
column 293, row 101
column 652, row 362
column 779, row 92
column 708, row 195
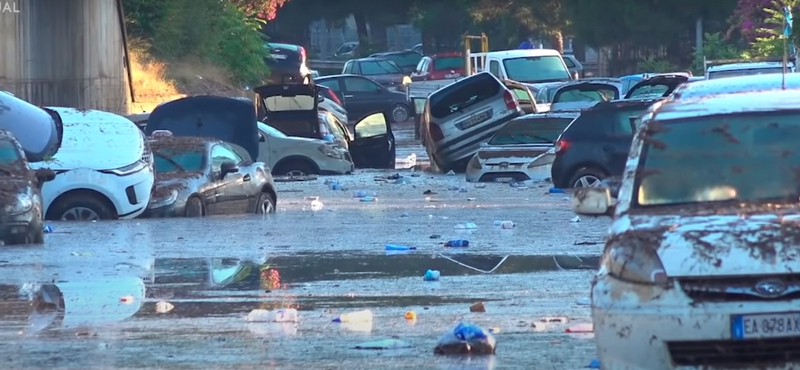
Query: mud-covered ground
column 324, row 262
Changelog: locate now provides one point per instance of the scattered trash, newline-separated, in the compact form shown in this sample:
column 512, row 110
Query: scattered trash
column 584, row 301
column 369, row 199
column 47, row 228
column 364, row 193
column 398, row 247
column 404, row 214
column 435, row 236
column 402, row 181
column 282, row 315
column 316, row 205
column 554, row 319
column 494, row 330
column 429, row 192
column 464, row 339
column 586, row 243
column 457, row 243
column 384, row 344
column 480, row 186
column 431, row 275
column 295, row 178
column 357, row 316
column 565, row 199
column 556, row 191
column 594, row 364
column 128, row 299
column 336, row 186
column 164, row 307
column 410, row 315
column 470, row 199
column 477, row 307
column 576, row 219
column 450, row 173
column 81, row 254
column 580, row 328
column 468, row 225
column 504, row 224
column 462, row 190
column 518, row 185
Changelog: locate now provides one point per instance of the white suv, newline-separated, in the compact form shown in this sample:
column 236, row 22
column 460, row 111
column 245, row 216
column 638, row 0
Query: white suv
column 701, row 267
column 103, row 168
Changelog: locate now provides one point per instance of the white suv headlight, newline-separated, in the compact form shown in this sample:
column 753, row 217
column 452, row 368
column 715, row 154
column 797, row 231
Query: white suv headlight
column 331, row 152
column 129, row 169
column 639, row 265
column 22, row 203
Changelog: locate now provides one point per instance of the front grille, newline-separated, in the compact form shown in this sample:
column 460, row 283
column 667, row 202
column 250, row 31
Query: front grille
column 147, row 156
column 735, row 353
column 739, row 288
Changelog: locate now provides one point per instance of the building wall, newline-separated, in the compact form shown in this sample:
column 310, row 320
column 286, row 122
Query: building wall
column 325, row 40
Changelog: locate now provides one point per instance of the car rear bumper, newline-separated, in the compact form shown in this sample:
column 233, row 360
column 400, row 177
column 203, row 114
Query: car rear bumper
column 464, row 146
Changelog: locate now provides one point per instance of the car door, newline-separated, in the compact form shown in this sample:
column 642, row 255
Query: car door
column 374, row 143
column 231, row 195
column 420, row 73
column 363, row 96
column 620, row 134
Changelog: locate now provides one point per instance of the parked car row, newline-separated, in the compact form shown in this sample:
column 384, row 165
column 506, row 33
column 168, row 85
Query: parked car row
column 700, row 257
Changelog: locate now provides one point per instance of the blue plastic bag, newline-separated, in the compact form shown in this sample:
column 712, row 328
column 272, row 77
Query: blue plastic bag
column 466, row 339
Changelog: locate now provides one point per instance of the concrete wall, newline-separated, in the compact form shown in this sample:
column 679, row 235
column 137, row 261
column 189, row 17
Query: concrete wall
column 65, row 53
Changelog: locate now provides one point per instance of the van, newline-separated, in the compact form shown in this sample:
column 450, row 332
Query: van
column 462, row 115
column 532, row 66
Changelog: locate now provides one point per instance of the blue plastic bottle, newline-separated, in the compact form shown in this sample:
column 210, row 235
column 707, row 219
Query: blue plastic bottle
column 398, row 247
column 431, row 275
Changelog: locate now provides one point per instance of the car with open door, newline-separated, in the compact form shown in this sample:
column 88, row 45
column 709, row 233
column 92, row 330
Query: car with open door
column 657, row 86
column 373, row 145
column 291, row 109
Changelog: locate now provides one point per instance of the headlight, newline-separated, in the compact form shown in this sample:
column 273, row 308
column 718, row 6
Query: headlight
column 165, row 201
column 129, row 169
column 474, row 163
column 23, row 204
column 330, row 152
column 636, row 265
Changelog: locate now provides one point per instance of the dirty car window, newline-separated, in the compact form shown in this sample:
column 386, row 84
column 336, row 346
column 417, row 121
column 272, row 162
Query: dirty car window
column 178, row 161
column 653, row 91
column 530, row 131
column 536, row 69
column 744, row 158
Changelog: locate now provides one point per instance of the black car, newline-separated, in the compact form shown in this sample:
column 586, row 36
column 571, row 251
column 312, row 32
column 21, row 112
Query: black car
column 381, row 70
column 287, row 63
column 363, row 95
column 198, row 177
column 407, row 60
column 20, row 195
column 595, row 145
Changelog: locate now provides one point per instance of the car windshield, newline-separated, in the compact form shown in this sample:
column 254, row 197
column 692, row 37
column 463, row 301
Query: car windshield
column 544, row 130
column 744, row 72
column 745, row 158
column 448, row 63
column 380, row 67
column 405, row 60
column 178, row 160
column 536, row 69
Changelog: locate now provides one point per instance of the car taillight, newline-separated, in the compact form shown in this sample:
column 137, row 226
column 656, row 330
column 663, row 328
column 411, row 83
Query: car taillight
column 562, row 146
column 303, row 54
column 511, row 103
column 436, row 132
column 335, row 98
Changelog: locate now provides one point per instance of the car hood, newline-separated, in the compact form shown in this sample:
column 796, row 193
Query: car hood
column 512, row 154
column 95, row 140
column 718, row 245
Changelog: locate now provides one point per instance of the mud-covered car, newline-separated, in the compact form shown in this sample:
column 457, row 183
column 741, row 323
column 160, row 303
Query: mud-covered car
column 700, row 268
column 198, row 177
column 20, row 194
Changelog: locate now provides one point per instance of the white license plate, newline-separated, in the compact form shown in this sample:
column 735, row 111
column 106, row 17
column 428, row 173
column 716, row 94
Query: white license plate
column 474, row 120
column 503, row 179
column 452, row 75
column 774, row 325
column 278, row 56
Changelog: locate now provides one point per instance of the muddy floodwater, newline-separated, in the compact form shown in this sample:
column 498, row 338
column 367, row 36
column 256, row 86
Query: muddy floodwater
column 101, row 285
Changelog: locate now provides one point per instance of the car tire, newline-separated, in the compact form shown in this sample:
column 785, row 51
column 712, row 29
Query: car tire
column 195, row 207
column 399, row 113
column 294, row 167
column 587, row 177
column 265, row 204
column 81, row 207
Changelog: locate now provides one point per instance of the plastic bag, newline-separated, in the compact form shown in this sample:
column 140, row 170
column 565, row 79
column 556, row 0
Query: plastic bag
column 466, row 339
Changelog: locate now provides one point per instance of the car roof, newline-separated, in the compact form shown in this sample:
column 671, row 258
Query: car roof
column 744, row 65
column 570, row 115
column 767, row 81
column 371, row 59
column 736, row 103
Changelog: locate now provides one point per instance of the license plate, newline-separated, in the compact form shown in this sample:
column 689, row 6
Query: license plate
column 278, row 56
column 503, row 179
column 773, row 325
column 474, row 120
column 452, row 75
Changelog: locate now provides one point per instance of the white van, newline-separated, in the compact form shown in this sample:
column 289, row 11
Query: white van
column 103, row 168
column 530, row 66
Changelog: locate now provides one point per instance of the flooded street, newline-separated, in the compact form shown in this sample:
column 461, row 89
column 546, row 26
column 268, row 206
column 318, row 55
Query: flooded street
column 214, row 271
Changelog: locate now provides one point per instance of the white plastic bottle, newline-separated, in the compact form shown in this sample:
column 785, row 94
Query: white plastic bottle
column 282, row 315
column 358, row 316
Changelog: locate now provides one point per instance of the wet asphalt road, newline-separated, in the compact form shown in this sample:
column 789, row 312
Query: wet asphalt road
column 216, row 270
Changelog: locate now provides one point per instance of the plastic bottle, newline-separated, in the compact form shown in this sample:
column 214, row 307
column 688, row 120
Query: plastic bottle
column 358, row 316
column 316, row 205
column 364, row 193
column 431, row 275
column 282, row 315
column 369, row 199
column 507, row 225
column 398, row 247
column 457, row 243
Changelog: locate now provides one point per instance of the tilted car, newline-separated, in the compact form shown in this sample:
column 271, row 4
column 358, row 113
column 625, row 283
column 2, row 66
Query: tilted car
column 198, row 177
column 20, row 195
column 700, row 267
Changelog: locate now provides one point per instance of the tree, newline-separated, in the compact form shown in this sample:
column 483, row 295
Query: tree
column 262, row 9
column 761, row 23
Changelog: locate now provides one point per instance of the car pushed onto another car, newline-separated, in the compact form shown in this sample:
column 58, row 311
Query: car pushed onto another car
column 198, row 177
column 20, row 195
column 700, row 267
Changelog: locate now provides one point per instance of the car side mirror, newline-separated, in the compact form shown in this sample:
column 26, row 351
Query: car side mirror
column 228, row 168
column 375, row 124
column 320, row 99
column 45, row 175
column 592, row 201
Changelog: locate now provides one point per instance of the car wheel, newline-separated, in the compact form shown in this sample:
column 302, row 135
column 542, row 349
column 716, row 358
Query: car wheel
column 399, row 113
column 587, row 177
column 82, row 207
column 265, row 204
column 195, row 207
column 294, row 168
